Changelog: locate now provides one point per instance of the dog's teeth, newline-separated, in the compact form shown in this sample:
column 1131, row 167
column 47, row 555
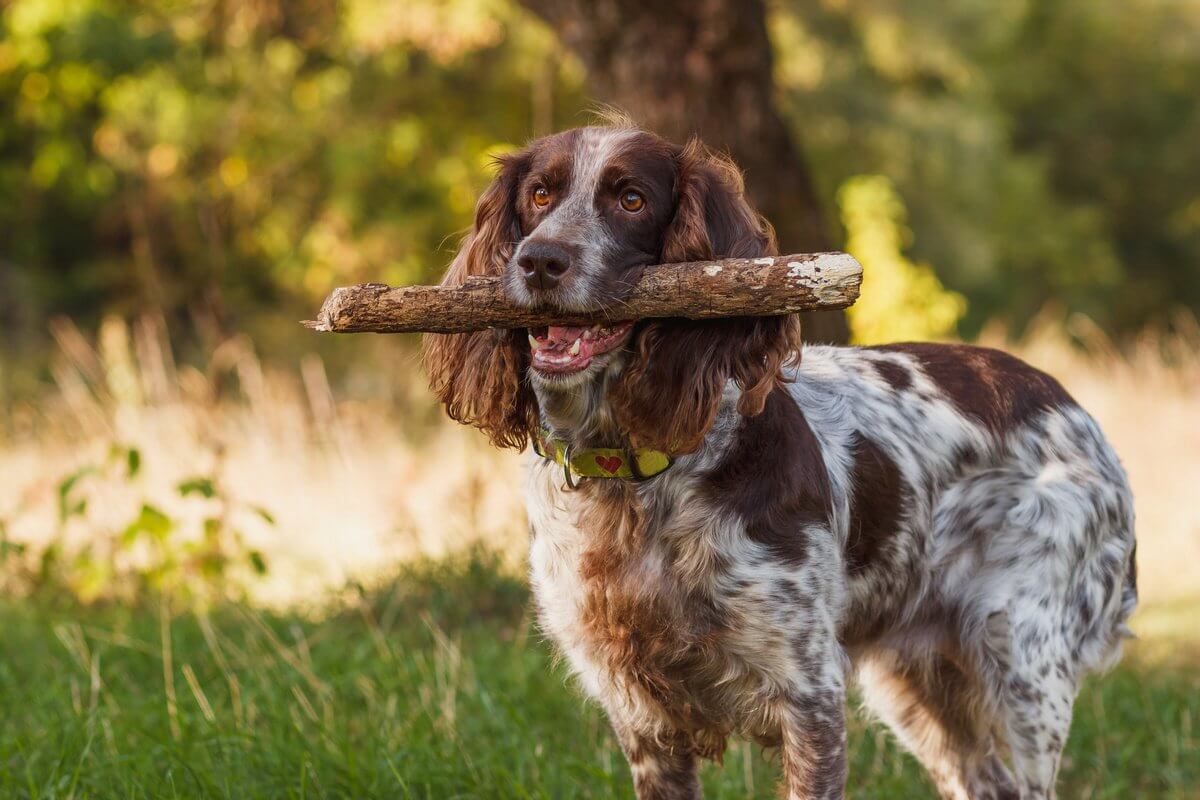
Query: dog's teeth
column 533, row 342
column 575, row 348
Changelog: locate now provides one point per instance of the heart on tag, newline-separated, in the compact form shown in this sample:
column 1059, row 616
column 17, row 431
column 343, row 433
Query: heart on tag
column 609, row 463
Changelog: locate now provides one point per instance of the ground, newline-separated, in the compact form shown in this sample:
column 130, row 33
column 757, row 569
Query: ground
column 434, row 685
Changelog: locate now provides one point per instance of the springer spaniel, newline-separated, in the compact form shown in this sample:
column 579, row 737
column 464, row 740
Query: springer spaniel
column 942, row 522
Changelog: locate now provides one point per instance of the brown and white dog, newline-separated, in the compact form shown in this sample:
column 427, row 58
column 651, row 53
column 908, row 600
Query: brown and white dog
column 941, row 522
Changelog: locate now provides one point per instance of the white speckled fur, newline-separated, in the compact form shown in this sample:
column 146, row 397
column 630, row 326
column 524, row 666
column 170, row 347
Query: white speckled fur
column 1008, row 554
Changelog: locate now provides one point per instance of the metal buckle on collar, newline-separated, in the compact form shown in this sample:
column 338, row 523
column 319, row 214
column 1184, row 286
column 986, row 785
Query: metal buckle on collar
column 570, row 479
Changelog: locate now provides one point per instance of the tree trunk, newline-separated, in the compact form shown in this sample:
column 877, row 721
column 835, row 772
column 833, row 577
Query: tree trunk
column 703, row 67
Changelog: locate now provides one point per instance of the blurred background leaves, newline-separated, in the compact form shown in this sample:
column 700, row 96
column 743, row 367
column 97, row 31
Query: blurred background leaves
column 225, row 163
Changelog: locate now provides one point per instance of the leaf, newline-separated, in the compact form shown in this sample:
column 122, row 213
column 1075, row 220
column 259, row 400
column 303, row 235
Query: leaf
column 150, row 522
column 212, row 530
column 49, row 561
column 212, row 565
column 200, row 486
column 65, row 508
column 133, row 462
column 91, row 576
column 267, row 516
column 258, row 562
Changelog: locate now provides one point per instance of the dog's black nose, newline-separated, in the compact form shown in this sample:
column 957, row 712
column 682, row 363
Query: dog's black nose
column 543, row 263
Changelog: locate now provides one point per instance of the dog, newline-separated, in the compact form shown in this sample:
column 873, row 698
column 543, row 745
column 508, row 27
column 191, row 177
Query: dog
column 728, row 527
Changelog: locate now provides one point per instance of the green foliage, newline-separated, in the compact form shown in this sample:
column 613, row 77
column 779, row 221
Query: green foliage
column 192, row 555
column 1044, row 151
column 435, row 685
column 900, row 300
column 226, row 164
column 229, row 165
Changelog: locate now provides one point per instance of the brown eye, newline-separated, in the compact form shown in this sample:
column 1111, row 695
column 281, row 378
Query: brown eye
column 541, row 196
column 632, row 202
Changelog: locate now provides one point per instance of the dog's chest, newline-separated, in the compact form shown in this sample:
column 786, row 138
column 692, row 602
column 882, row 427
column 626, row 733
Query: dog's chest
column 632, row 626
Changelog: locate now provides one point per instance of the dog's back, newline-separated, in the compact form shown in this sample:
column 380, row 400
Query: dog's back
column 964, row 480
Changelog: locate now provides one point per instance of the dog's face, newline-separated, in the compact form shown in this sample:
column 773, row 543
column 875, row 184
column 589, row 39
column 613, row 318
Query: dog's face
column 593, row 206
column 569, row 222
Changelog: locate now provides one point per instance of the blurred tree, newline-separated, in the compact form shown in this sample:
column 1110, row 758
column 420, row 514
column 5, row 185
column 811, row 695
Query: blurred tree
column 1107, row 97
column 1044, row 151
column 705, row 69
column 226, row 163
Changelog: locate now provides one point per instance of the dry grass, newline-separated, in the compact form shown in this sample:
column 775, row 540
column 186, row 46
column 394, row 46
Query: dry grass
column 354, row 485
column 363, row 478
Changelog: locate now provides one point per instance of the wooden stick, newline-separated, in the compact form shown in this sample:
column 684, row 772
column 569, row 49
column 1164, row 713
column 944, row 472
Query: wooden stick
column 736, row 287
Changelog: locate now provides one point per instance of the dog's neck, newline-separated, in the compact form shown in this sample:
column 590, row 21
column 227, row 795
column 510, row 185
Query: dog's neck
column 582, row 416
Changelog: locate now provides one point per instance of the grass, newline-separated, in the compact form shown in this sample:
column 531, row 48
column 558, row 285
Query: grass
column 435, row 685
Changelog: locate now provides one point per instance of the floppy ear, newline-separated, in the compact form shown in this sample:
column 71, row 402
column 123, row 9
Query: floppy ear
column 669, row 395
column 480, row 376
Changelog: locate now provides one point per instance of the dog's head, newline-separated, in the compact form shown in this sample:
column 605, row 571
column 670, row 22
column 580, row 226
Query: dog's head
column 569, row 222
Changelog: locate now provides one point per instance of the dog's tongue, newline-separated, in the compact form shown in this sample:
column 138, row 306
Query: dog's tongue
column 570, row 348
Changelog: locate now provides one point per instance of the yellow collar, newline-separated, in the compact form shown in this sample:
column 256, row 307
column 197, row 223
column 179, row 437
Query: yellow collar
column 601, row 462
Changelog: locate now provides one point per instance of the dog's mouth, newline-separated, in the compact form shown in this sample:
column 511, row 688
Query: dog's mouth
column 563, row 350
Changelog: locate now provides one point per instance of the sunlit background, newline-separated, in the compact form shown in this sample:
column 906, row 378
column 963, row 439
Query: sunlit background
column 182, row 181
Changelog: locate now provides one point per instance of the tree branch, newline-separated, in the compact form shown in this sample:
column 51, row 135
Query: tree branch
column 737, row 287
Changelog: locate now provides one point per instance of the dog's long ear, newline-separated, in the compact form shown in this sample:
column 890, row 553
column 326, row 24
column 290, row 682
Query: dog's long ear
column 669, row 395
column 480, row 376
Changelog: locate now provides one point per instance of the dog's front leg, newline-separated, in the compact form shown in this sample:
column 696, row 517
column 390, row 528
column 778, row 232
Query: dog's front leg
column 814, row 744
column 663, row 767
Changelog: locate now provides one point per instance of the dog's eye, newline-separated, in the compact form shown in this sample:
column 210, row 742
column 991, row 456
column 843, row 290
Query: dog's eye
column 632, row 202
column 541, row 196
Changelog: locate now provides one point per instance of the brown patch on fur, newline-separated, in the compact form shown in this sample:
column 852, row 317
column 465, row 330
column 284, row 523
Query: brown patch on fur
column 661, row 645
column 549, row 165
column 943, row 715
column 883, row 559
column 669, row 393
column 480, row 376
column 774, row 478
column 997, row 389
column 649, row 165
column 897, row 376
column 876, row 503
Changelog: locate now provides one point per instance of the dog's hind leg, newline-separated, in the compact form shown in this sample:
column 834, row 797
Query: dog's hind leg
column 1038, row 692
column 943, row 718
